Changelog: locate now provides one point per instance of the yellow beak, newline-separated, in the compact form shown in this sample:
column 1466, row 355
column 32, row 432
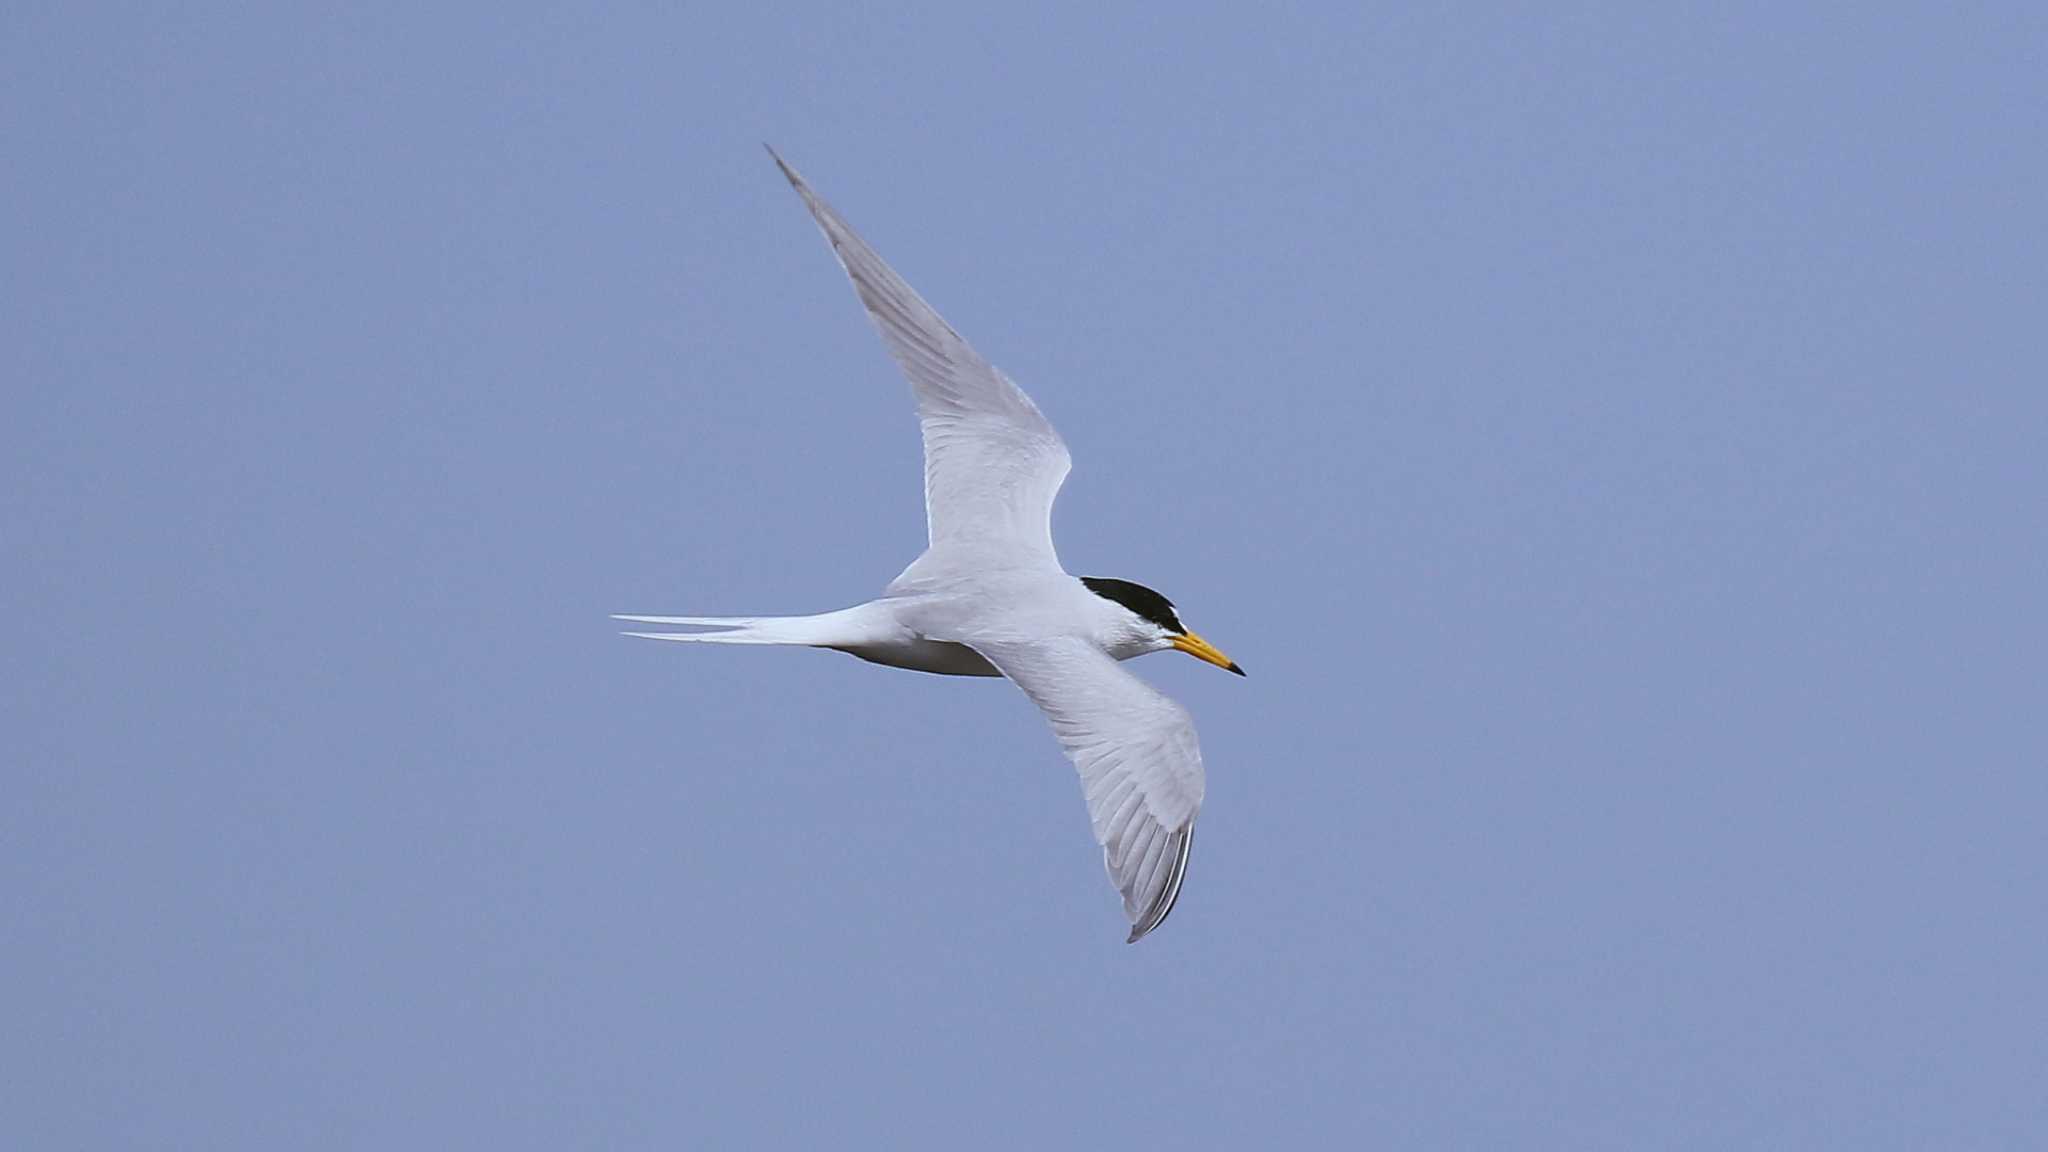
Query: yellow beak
column 1201, row 649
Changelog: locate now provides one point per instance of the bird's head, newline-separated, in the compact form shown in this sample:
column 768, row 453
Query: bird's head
column 1152, row 625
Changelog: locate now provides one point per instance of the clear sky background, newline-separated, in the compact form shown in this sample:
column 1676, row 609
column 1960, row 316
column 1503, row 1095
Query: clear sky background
column 1613, row 444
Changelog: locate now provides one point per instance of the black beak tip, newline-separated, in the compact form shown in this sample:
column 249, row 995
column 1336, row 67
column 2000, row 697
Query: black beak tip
column 1234, row 668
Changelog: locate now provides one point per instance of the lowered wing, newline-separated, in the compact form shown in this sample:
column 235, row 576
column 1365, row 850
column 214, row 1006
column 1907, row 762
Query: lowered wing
column 1140, row 766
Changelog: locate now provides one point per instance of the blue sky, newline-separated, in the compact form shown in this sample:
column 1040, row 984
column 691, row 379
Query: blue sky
column 1611, row 441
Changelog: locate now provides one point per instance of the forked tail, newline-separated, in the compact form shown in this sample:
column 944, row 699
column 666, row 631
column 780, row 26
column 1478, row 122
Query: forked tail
column 826, row 630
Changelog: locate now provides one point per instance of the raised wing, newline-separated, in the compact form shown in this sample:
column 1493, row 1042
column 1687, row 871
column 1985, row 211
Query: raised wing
column 1141, row 769
column 992, row 463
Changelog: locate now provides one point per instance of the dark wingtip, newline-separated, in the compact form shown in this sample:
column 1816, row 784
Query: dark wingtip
column 1163, row 906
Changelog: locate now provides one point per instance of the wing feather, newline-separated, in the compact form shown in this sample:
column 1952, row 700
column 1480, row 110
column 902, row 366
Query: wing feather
column 1139, row 762
column 992, row 462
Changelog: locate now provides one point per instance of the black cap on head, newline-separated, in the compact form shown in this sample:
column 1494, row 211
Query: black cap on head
column 1139, row 599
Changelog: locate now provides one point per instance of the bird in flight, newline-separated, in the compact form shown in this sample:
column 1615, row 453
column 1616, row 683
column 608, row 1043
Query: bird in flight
column 988, row 596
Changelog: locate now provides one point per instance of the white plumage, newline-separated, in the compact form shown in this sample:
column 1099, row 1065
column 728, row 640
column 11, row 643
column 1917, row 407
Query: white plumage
column 988, row 596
